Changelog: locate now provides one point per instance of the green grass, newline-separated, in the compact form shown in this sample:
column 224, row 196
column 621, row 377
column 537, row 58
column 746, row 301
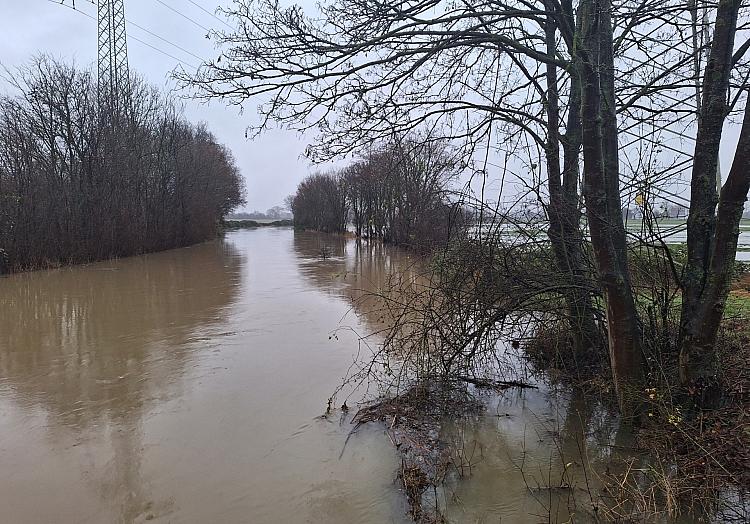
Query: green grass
column 738, row 305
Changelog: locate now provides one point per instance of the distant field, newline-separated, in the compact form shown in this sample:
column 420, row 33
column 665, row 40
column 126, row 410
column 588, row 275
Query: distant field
column 250, row 224
column 672, row 222
column 673, row 231
column 258, row 220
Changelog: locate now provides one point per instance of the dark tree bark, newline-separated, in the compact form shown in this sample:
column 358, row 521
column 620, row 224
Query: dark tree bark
column 712, row 237
column 594, row 62
column 563, row 211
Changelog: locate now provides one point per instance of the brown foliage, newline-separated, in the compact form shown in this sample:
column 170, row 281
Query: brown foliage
column 397, row 192
column 81, row 180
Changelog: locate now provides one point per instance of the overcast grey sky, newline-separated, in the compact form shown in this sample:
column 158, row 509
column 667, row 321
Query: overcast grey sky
column 271, row 164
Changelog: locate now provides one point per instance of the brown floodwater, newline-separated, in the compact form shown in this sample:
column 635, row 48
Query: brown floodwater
column 187, row 386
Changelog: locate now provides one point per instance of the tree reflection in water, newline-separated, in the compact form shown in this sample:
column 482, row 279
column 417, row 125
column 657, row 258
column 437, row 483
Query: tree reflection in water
column 91, row 347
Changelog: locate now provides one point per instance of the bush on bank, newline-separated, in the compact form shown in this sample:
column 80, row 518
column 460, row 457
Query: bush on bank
column 83, row 179
column 398, row 192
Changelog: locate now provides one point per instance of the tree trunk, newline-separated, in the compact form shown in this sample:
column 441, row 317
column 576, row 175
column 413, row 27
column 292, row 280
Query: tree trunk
column 564, row 217
column 706, row 279
column 699, row 362
column 594, row 62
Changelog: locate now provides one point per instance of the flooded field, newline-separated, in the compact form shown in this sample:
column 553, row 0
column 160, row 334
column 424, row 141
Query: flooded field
column 187, row 386
column 672, row 231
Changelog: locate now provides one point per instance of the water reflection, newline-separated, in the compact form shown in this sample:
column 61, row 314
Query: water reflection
column 85, row 350
column 536, row 455
column 515, row 456
column 343, row 265
column 186, row 386
column 91, row 342
column 354, row 269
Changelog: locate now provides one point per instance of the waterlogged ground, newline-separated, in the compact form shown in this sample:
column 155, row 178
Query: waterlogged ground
column 672, row 231
column 187, row 386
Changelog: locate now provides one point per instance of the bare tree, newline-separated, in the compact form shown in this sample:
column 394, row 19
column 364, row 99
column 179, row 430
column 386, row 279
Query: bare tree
column 472, row 73
column 79, row 182
column 398, row 192
column 616, row 82
column 712, row 233
column 320, row 203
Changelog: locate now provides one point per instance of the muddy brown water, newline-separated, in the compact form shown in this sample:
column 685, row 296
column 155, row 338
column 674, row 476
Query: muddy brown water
column 187, row 386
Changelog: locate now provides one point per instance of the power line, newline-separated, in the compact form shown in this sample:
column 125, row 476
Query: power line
column 160, row 37
column 193, row 66
column 165, row 40
column 210, row 13
column 176, row 46
column 186, row 17
column 131, row 37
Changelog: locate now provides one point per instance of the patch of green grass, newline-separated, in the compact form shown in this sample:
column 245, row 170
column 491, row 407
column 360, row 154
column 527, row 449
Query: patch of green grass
column 738, row 305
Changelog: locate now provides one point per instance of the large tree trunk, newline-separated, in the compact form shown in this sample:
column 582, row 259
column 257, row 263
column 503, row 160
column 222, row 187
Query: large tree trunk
column 699, row 362
column 594, row 63
column 711, row 249
column 563, row 211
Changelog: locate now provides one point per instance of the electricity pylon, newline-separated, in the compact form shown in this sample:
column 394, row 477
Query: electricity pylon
column 113, row 52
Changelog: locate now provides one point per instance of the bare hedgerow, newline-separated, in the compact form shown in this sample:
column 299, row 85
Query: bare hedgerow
column 83, row 180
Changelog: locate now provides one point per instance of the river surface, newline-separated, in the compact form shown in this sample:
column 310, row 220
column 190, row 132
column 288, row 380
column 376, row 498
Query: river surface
column 188, row 386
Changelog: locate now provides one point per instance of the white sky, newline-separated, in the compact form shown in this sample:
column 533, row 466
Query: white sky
column 271, row 165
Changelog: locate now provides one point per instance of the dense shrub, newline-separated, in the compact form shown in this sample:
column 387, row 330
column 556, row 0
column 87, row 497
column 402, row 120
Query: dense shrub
column 82, row 179
column 398, row 192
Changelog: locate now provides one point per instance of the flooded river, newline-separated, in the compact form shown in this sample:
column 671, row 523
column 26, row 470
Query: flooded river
column 187, row 386
column 184, row 386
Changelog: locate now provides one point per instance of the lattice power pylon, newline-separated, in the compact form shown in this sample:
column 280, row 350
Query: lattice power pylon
column 113, row 51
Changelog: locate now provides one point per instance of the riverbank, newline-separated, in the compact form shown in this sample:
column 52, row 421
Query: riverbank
column 687, row 462
column 51, row 264
column 671, row 467
column 691, row 460
column 47, row 264
column 677, row 461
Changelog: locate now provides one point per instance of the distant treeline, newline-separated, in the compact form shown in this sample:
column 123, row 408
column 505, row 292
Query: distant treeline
column 274, row 213
column 397, row 193
column 83, row 179
column 233, row 224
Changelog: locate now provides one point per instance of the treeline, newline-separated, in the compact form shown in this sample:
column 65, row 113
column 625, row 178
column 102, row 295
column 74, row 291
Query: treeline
column 82, row 179
column 273, row 213
column 398, row 192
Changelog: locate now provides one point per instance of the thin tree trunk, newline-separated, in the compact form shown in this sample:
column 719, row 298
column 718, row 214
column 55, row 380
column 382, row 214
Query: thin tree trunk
column 594, row 62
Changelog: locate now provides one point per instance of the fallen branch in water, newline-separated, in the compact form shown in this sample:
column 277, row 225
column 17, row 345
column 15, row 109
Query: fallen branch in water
column 413, row 423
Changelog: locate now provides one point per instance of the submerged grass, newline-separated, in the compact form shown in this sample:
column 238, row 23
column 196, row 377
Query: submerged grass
column 683, row 462
column 697, row 463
